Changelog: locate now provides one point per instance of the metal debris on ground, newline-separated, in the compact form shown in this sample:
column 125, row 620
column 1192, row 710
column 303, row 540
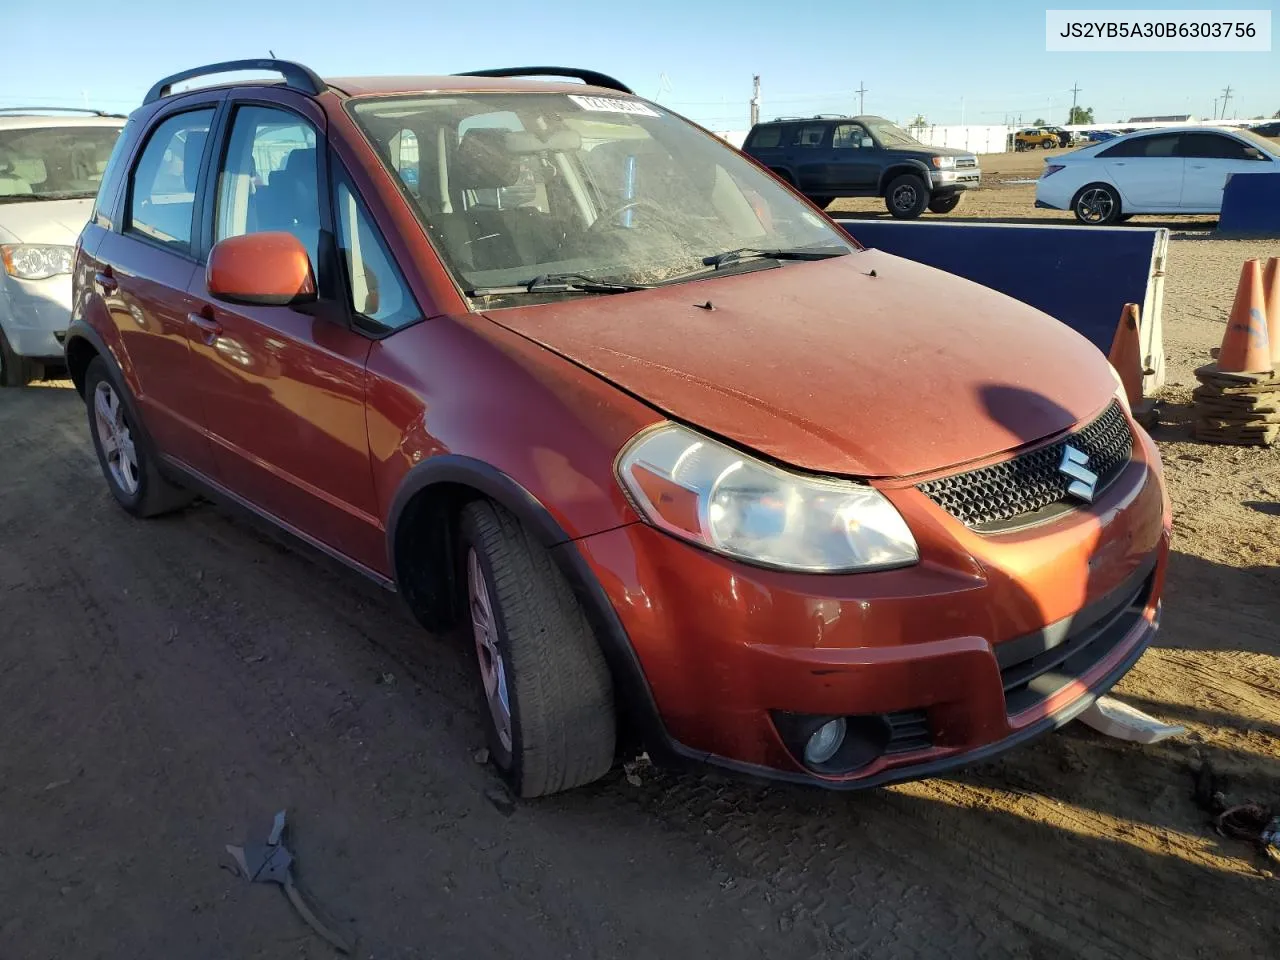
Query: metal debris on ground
column 271, row 862
column 1108, row 715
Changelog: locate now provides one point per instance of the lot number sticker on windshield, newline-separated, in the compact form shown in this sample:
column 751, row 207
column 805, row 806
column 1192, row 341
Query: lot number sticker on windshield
column 610, row 105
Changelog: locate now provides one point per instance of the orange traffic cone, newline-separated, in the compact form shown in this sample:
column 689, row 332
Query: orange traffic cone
column 1271, row 293
column 1245, row 346
column 1126, row 354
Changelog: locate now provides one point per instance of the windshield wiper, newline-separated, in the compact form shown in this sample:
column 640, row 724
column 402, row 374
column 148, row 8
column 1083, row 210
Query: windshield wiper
column 755, row 253
column 559, row 283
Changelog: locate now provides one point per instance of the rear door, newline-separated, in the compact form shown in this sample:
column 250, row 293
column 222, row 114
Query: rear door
column 146, row 263
column 810, row 153
column 1148, row 170
column 1211, row 159
column 285, row 386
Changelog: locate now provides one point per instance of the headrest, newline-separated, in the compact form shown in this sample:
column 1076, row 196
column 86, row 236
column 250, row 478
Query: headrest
column 522, row 141
column 484, row 163
column 300, row 161
column 191, row 155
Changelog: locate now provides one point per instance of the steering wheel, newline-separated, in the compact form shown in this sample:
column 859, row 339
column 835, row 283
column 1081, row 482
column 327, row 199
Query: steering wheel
column 610, row 218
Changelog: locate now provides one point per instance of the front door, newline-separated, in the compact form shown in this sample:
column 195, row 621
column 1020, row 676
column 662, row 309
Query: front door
column 144, row 272
column 855, row 159
column 284, row 388
column 1211, row 159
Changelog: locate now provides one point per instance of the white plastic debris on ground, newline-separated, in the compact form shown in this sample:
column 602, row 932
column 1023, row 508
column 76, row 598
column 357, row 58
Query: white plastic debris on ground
column 1108, row 715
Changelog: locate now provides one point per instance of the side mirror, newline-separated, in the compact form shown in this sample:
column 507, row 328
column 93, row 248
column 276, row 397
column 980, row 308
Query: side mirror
column 263, row 269
column 867, row 142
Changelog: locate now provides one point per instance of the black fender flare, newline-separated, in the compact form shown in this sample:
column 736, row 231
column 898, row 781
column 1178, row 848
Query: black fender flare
column 899, row 167
column 635, row 697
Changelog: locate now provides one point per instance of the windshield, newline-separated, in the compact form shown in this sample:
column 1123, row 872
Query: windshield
column 517, row 187
column 53, row 163
column 890, row 134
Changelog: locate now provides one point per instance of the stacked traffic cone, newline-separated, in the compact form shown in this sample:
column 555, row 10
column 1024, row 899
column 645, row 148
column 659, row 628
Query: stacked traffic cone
column 1126, row 358
column 1238, row 400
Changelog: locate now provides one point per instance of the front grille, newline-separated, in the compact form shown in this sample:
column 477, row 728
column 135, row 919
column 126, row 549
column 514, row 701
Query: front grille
column 964, row 163
column 1030, row 488
column 1035, row 667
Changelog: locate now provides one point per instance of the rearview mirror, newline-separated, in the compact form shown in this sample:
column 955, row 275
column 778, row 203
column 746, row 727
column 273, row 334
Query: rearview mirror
column 268, row 269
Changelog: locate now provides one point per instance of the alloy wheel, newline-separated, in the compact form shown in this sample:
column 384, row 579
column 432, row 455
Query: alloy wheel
column 116, row 438
column 484, row 627
column 904, row 197
column 1095, row 205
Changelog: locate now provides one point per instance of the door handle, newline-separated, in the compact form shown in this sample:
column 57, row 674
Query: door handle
column 210, row 329
column 106, row 281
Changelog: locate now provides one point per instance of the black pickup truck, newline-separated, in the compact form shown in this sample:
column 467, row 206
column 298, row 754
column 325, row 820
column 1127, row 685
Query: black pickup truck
column 827, row 157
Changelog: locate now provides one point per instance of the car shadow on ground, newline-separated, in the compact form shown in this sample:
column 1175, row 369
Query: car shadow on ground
column 1184, row 229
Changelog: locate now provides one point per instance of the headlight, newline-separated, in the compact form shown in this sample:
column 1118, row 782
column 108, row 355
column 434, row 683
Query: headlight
column 944, row 163
column 712, row 495
column 35, row 261
column 1121, row 394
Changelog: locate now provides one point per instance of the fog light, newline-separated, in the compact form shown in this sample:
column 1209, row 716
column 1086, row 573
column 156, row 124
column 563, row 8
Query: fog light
column 824, row 743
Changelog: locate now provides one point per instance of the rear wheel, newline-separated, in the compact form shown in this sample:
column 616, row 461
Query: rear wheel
column 906, row 196
column 547, row 690
column 945, row 204
column 1096, row 204
column 15, row 371
column 127, row 462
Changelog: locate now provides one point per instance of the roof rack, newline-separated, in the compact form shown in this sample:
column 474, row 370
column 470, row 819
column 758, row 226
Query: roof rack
column 590, row 77
column 816, row 116
column 91, row 112
column 296, row 76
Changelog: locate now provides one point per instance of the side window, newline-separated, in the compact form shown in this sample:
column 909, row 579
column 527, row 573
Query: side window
column 847, row 136
column 268, row 180
column 378, row 290
column 766, row 138
column 1214, row 146
column 1164, row 145
column 809, row 135
column 162, row 190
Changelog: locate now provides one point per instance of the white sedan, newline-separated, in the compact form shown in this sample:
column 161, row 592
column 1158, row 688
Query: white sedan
column 1154, row 171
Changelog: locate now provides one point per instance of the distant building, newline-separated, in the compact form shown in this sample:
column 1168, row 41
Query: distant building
column 1181, row 118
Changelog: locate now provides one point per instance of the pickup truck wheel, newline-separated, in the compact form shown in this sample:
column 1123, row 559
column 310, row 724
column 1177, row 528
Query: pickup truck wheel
column 1096, row 204
column 906, row 196
column 14, row 370
column 548, row 695
column 945, row 204
column 127, row 462
column 821, row 202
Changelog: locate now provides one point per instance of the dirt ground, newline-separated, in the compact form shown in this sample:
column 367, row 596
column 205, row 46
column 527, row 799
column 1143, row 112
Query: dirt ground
column 168, row 685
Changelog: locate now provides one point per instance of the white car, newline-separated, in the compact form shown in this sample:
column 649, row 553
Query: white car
column 50, row 168
column 1180, row 170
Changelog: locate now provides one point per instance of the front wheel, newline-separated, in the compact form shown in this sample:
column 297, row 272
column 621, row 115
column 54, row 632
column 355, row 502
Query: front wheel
column 1049, row 144
column 945, row 204
column 15, row 371
column 1097, row 204
column 547, row 691
column 906, row 197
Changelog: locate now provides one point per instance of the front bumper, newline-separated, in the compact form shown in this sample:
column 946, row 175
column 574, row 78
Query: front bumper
column 35, row 314
column 936, row 648
column 953, row 181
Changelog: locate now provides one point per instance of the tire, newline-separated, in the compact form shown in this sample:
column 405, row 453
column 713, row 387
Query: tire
column 135, row 481
column 534, row 644
column 1049, row 144
column 1096, row 204
column 821, row 202
column 906, row 196
column 15, row 371
column 946, row 203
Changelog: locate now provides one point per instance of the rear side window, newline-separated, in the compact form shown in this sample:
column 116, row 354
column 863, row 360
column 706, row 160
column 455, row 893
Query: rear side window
column 766, row 138
column 109, row 189
column 162, row 190
column 1165, row 145
column 809, row 135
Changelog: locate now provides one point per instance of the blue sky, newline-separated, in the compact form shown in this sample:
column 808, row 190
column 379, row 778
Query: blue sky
column 985, row 64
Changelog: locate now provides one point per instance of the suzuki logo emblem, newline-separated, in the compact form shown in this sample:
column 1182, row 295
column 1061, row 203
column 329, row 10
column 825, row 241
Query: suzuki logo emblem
column 1075, row 467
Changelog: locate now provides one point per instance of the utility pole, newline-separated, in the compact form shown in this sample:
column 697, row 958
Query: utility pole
column 861, row 92
column 755, row 99
column 1075, row 92
column 1226, row 98
column 1215, row 108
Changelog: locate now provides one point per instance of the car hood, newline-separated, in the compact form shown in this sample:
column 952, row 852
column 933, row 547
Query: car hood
column 44, row 221
column 863, row 365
